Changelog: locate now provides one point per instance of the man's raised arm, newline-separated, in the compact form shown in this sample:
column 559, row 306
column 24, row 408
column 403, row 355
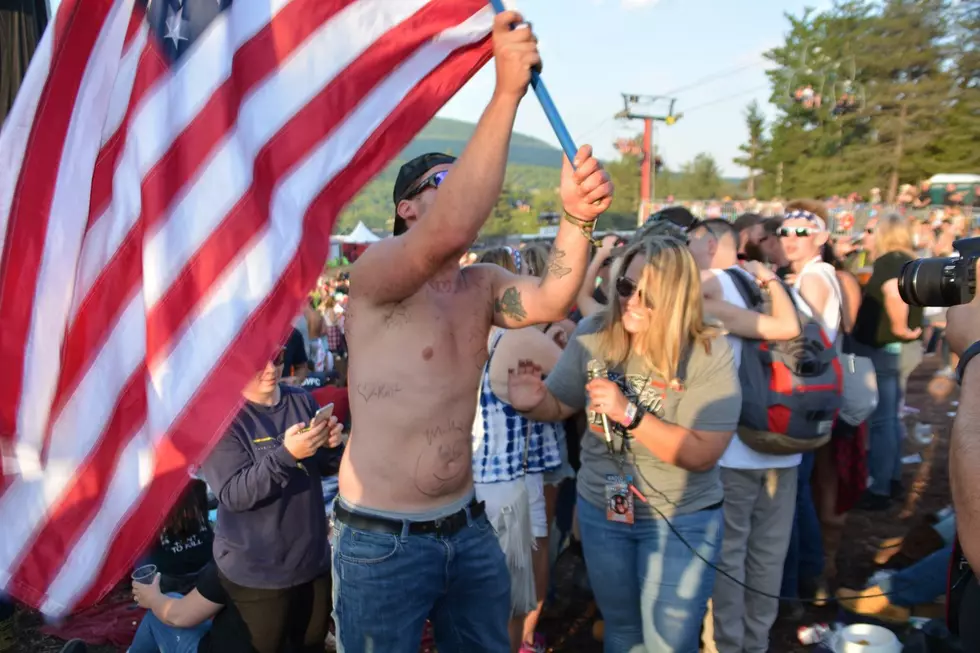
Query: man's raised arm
column 445, row 223
column 586, row 192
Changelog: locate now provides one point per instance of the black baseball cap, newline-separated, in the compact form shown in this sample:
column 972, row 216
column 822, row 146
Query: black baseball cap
column 408, row 175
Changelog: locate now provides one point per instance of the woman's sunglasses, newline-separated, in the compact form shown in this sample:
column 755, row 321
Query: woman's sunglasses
column 625, row 287
column 799, row 232
column 280, row 357
column 432, row 181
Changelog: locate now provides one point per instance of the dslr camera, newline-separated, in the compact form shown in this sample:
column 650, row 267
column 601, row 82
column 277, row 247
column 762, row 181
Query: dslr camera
column 942, row 281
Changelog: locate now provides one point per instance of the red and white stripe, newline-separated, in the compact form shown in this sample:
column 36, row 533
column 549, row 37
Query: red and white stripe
column 158, row 236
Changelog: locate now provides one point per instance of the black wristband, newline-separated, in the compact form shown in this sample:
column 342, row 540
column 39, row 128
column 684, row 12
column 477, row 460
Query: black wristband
column 965, row 358
column 636, row 418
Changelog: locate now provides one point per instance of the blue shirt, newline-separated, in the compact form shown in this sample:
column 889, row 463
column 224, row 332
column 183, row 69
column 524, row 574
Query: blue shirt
column 271, row 530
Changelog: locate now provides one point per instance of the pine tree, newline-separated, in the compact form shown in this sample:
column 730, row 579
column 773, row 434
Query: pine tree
column 701, row 178
column 755, row 149
column 911, row 92
column 959, row 151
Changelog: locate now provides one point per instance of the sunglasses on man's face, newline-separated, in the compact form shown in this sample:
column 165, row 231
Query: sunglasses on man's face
column 432, row 181
column 799, row 232
column 280, row 358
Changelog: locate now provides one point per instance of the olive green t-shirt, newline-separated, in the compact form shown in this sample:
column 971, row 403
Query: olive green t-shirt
column 709, row 399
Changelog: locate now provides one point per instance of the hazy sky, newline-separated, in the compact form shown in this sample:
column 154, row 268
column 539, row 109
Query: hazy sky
column 594, row 50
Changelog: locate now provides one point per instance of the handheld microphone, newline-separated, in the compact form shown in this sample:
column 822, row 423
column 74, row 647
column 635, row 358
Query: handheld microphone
column 597, row 370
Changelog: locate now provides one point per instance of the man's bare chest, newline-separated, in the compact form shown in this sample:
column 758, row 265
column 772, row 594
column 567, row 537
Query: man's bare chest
column 437, row 329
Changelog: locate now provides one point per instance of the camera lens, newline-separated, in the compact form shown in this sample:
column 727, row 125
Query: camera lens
column 930, row 282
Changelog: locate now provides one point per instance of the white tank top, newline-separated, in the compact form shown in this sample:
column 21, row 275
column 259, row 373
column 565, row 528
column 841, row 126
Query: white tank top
column 830, row 317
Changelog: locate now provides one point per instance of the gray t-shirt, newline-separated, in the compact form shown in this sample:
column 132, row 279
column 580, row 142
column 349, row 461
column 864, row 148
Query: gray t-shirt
column 710, row 399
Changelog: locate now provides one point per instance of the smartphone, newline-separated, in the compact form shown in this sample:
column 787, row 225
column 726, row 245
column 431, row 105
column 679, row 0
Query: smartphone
column 322, row 415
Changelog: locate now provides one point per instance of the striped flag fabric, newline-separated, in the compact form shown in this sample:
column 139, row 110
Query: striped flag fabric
column 172, row 171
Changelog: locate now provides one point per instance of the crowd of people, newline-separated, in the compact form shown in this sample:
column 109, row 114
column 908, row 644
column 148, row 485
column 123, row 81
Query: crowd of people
column 484, row 383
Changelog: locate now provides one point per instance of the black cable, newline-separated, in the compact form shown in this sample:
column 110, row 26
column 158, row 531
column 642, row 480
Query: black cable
column 726, row 98
column 724, row 573
column 722, row 74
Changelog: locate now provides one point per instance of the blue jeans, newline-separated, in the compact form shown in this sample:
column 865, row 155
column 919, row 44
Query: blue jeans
column 923, row 582
column 804, row 557
column 651, row 589
column 386, row 586
column 885, row 451
column 154, row 636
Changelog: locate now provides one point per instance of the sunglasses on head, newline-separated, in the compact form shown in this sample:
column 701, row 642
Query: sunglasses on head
column 799, row 232
column 280, row 357
column 432, row 181
column 625, row 287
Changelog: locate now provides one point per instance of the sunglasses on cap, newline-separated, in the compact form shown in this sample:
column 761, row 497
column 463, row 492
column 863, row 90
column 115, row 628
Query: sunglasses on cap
column 799, row 232
column 432, row 181
column 280, row 357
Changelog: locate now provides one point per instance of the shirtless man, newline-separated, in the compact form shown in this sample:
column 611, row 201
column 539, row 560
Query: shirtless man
column 409, row 541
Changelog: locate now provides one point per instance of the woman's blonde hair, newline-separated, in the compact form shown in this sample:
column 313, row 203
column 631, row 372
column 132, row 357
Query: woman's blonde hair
column 501, row 256
column 670, row 285
column 893, row 234
column 535, row 260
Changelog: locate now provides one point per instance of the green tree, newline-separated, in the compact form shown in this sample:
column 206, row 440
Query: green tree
column 894, row 60
column 754, row 151
column 911, row 89
column 958, row 148
column 507, row 219
column 701, row 178
column 625, row 175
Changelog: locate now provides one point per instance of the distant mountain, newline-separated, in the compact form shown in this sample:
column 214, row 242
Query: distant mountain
column 451, row 136
column 533, row 165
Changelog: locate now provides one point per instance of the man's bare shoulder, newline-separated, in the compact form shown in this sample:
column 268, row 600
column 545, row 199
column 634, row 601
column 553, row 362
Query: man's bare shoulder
column 481, row 275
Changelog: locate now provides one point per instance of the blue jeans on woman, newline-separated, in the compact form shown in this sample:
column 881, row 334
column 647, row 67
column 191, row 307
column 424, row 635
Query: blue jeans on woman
column 885, row 428
column 650, row 587
column 154, row 636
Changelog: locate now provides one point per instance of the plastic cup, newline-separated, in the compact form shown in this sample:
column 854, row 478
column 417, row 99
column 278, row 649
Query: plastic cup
column 144, row 575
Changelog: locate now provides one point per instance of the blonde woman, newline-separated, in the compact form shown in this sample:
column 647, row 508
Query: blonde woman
column 509, row 451
column 884, row 324
column 673, row 391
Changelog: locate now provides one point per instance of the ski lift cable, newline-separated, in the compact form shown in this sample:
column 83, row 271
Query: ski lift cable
column 584, row 135
column 719, row 75
column 726, row 98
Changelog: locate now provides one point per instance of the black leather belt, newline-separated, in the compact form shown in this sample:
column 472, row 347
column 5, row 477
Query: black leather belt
column 444, row 526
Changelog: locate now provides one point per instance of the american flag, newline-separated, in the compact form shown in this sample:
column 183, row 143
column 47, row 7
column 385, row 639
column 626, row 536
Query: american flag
column 172, row 172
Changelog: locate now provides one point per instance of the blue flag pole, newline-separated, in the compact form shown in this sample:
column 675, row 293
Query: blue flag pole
column 547, row 104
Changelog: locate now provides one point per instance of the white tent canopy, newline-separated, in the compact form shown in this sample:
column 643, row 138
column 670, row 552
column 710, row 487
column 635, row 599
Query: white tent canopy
column 360, row 236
